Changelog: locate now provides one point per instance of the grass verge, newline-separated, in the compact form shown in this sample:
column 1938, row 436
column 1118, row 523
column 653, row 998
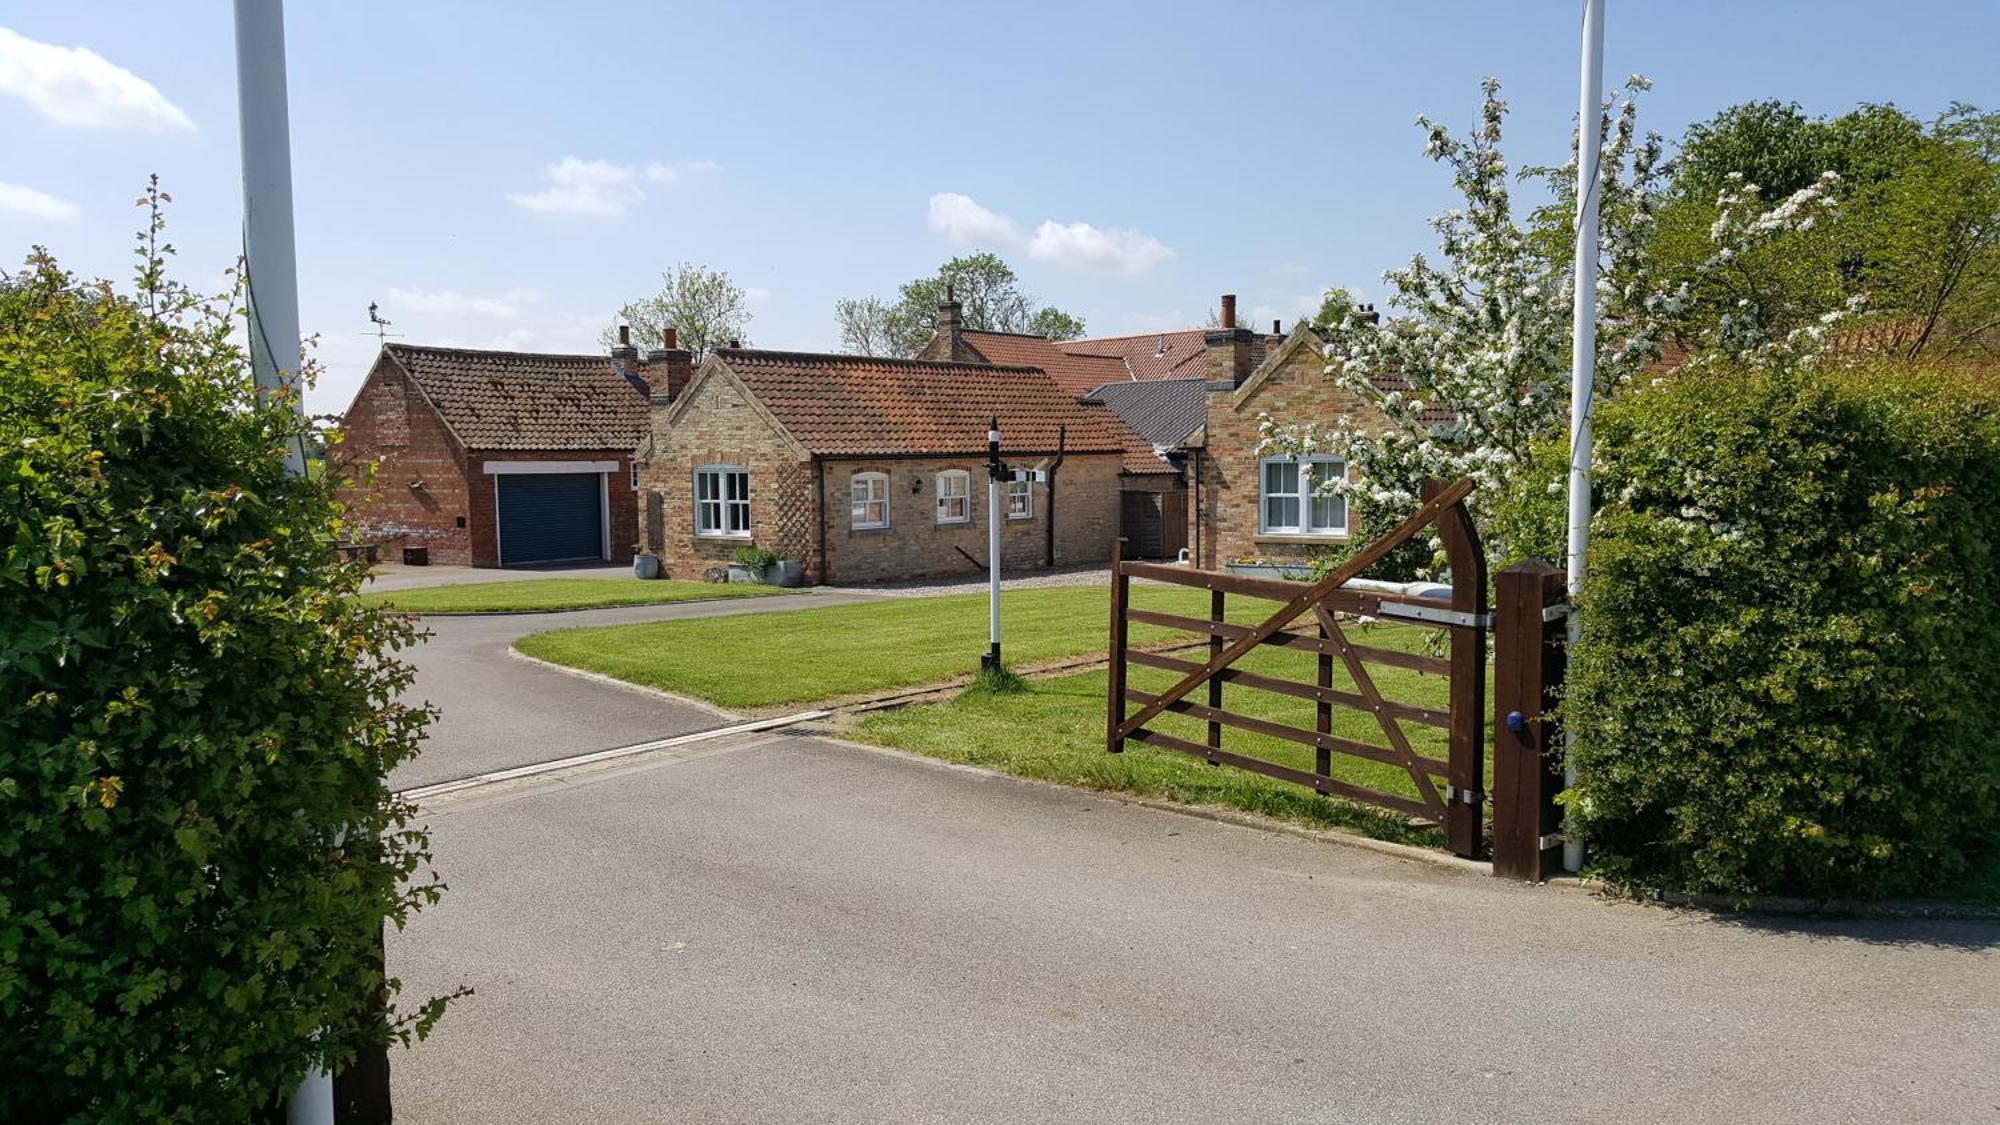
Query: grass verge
column 808, row 655
column 553, row 594
column 1054, row 731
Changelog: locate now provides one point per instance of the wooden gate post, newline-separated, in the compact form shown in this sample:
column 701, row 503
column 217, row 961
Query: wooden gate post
column 1527, row 772
column 1114, row 673
column 1465, row 819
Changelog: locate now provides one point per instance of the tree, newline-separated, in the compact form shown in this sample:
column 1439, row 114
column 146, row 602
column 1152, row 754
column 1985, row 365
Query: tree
column 1335, row 308
column 1484, row 335
column 1912, row 249
column 199, row 845
column 704, row 306
column 985, row 287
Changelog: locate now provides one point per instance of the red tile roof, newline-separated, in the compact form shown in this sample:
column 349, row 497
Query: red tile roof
column 1155, row 355
column 518, row 400
column 1077, row 374
column 863, row 405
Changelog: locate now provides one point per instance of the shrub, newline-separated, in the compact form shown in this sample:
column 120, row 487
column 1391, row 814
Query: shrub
column 198, row 846
column 1789, row 681
column 759, row 559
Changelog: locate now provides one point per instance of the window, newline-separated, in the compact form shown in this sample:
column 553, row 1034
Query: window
column 870, row 492
column 954, row 497
column 1020, row 500
column 722, row 501
column 1292, row 502
column 635, row 476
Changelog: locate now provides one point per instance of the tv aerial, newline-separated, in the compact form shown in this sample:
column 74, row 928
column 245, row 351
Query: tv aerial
column 375, row 318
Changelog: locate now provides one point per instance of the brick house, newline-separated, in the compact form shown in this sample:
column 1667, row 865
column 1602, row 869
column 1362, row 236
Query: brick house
column 1246, row 504
column 867, row 469
column 493, row 458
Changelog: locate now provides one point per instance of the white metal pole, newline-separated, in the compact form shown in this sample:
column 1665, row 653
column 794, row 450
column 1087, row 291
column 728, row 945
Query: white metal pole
column 271, row 270
column 269, row 249
column 993, row 542
column 1583, row 358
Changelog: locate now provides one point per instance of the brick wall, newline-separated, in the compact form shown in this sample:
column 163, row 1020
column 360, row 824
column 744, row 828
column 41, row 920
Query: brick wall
column 1229, row 492
column 720, row 426
column 916, row 545
column 481, row 495
column 418, row 497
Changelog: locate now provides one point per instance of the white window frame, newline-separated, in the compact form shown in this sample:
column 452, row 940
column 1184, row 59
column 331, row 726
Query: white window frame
column 1306, row 490
column 1023, row 491
column 877, row 493
column 712, row 514
column 963, row 496
column 635, row 476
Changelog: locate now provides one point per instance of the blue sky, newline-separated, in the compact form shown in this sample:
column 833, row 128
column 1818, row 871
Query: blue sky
column 1132, row 160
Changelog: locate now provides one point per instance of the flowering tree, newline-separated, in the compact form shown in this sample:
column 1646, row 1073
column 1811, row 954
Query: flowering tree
column 1472, row 374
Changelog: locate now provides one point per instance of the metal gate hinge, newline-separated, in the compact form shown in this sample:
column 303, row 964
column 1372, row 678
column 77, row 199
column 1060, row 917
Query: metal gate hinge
column 1556, row 612
column 1464, row 796
column 1552, row 840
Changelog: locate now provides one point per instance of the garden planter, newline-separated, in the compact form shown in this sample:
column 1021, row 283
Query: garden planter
column 645, row 566
column 786, row 572
column 744, row 576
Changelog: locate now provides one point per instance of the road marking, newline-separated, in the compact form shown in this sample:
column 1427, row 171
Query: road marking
column 438, row 789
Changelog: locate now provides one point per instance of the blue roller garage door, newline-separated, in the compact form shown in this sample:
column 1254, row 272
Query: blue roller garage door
column 550, row 517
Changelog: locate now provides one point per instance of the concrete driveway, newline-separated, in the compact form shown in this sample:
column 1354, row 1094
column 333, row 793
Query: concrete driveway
column 788, row 929
column 498, row 710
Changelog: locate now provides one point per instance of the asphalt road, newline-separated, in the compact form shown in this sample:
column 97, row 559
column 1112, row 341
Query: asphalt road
column 498, row 711
column 795, row 930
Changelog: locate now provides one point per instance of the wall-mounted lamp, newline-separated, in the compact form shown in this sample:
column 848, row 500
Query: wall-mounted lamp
column 916, row 484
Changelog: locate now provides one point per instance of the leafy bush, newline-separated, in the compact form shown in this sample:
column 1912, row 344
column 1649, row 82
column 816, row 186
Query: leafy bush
column 198, row 846
column 759, row 559
column 1789, row 681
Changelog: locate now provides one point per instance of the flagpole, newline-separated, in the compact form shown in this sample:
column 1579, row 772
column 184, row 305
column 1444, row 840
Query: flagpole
column 1583, row 357
column 269, row 249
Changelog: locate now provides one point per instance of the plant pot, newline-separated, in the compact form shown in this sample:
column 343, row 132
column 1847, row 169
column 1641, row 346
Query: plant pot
column 786, row 572
column 743, row 576
column 645, row 566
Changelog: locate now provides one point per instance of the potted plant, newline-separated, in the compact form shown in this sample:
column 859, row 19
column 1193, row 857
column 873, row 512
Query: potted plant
column 750, row 564
column 645, row 564
column 786, row 571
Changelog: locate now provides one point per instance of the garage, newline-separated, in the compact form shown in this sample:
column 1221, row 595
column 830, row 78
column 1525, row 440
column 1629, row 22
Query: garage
column 550, row 517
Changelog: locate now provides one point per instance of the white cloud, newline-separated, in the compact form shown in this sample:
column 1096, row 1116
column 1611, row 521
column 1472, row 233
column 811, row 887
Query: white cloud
column 585, row 187
column 445, row 302
column 81, row 89
column 1118, row 251
column 965, row 222
column 680, row 170
column 756, row 293
column 36, row 204
column 601, row 189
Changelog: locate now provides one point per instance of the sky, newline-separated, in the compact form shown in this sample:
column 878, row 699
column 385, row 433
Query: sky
column 506, row 174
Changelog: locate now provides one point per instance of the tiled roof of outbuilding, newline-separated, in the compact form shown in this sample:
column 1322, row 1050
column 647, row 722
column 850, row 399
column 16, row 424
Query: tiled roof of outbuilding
column 1162, row 412
column 519, row 400
column 863, row 405
column 1073, row 373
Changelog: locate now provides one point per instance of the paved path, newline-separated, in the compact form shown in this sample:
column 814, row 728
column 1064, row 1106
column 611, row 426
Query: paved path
column 797, row 930
column 497, row 710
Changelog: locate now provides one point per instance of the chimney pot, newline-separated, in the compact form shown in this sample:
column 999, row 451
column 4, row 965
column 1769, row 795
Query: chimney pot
column 671, row 338
column 735, row 343
column 1277, row 328
column 1229, row 310
column 624, row 335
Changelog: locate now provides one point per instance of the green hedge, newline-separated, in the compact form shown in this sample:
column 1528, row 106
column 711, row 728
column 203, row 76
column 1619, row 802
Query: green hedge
column 1789, row 681
column 194, row 709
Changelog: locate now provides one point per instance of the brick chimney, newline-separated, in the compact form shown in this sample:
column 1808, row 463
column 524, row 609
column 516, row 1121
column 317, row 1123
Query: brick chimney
column 949, row 341
column 1229, row 348
column 625, row 360
column 669, row 368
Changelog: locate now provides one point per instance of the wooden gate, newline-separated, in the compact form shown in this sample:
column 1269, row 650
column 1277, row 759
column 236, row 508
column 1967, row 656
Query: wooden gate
column 1153, row 524
column 1448, row 791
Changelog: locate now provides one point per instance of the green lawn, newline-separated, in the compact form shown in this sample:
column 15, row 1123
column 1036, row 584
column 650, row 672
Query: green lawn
column 1054, row 731
column 533, row 594
column 813, row 654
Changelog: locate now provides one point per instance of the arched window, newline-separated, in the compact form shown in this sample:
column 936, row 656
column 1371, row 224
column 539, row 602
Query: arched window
column 954, row 496
column 722, row 501
column 870, row 493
